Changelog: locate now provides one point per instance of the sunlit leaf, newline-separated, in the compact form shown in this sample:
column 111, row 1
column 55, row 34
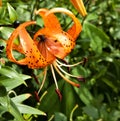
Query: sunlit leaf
column 6, row 32
column 11, row 79
column 29, row 110
column 12, row 13
column 11, row 107
column 21, row 98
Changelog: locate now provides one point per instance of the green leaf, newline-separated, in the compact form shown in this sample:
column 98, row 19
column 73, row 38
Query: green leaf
column 21, row 98
column 8, row 72
column 98, row 38
column 29, row 110
column 67, row 102
column 6, row 32
column 60, row 117
column 84, row 94
column 110, row 84
column 3, row 91
column 2, row 109
column 11, row 79
column 11, row 107
column 12, row 13
column 91, row 111
column 11, row 83
column 2, row 12
column 51, row 99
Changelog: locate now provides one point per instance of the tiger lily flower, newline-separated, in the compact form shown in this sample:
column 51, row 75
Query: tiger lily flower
column 79, row 5
column 47, row 46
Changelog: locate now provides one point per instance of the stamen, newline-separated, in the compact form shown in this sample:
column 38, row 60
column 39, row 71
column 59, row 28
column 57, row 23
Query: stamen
column 37, row 96
column 84, row 61
column 54, row 77
column 67, row 80
column 43, row 81
column 67, row 73
column 69, row 65
column 55, row 80
column 59, row 94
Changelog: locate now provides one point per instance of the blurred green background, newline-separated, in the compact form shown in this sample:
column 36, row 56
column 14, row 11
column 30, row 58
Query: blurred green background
column 97, row 99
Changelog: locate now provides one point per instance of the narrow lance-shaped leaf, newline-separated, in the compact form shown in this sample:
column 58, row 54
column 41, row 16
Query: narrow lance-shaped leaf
column 12, row 13
column 21, row 98
column 11, row 107
column 29, row 110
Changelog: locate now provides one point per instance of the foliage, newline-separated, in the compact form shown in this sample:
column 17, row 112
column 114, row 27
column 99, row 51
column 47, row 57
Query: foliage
column 97, row 99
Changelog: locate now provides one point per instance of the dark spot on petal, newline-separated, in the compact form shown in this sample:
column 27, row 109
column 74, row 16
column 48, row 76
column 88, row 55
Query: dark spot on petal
column 55, row 40
column 37, row 61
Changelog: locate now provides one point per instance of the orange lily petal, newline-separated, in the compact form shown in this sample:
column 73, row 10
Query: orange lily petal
column 67, row 42
column 33, row 58
column 78, row 4
column 50, row 21
column 45, row 51
column 11, row 46
column 18, row 48
column 51, row 43
column 52, row 28
column 76, row 28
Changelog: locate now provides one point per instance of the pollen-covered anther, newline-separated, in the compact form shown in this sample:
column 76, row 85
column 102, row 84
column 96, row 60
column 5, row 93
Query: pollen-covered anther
column 37, row 96
column 81, row 79
column 84, row 61
column 59, row 94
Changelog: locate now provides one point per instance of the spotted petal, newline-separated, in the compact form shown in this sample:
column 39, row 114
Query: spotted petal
column 76, row 28
column 33, row 58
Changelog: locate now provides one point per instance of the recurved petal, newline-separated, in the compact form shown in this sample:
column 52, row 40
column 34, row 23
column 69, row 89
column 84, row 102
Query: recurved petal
column 32, row 53
column 33, row 57
column 50, row 21
column 76, row 28
column 11, row 46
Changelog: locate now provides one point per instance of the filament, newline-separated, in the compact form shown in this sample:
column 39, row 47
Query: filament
column 69, row 65
column 67, row 80
column 66, row 72
column 54, row 77
column 43, row 81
